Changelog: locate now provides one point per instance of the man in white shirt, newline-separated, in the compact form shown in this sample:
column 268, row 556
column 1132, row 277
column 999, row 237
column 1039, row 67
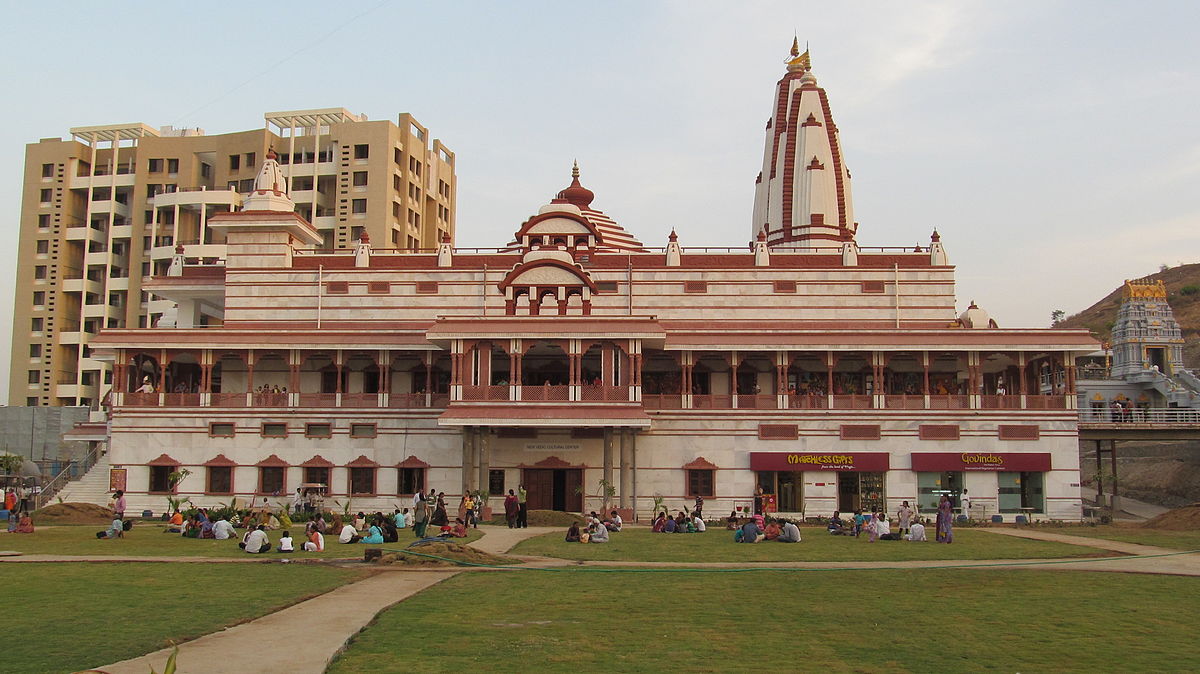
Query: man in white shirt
column 223, row 530
column 698, row 522
column 791, row 533
column 916, row 532
column 614, row 523
column 256, row 541
column 965, row 502
column 882, row 528
column 348, row 534
column 599, row 532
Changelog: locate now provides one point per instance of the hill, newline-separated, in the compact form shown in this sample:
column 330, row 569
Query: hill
column 1183, row 294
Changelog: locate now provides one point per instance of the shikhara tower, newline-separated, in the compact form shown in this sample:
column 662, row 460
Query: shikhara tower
column 802, row 196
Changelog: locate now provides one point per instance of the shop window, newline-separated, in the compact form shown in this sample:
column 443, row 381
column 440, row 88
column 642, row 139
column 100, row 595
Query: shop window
column 700, row 483
column 931, row 486
column 221, row 429
column 318, row 430
column 362, row 481
column 270, row 480
column 496, row 482
column 363, row 431
column 1021, row 492
column 160, row 479
column 220, row 480
column 316, row 474
column 274, row 430
column 412, row 480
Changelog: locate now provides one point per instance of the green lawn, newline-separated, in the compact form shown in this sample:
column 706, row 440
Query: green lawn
column 149, row 540
column 640, row 545
column 1178, row 540
column 874, row 621
column 66, row 617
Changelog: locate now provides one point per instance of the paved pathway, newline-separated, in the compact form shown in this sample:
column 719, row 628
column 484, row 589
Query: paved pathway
column 499, row 540
column 339, row 614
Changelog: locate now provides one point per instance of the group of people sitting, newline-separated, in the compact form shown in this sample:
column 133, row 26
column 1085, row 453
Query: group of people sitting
column 20, row 524
column 877, row 526
column 757, row 529
column 681, row 523
column 594, row 529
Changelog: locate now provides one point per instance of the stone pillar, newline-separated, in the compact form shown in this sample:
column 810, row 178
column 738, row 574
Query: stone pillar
column 483, row 450
column 608, row 460
column 633, row 495
column 468, row 460
column 626, row 453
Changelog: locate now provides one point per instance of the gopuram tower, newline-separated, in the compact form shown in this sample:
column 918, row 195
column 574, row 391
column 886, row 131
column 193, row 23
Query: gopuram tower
column 802, row 196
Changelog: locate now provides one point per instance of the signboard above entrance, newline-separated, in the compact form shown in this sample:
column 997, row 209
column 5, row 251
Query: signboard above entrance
column 958, row 461
column 801, row 461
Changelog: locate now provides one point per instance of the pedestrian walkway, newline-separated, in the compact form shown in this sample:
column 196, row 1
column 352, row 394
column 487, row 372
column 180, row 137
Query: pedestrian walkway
column 499, row 540
column 326, row 622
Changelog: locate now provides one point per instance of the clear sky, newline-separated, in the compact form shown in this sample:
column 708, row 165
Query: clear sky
column 1053, row 144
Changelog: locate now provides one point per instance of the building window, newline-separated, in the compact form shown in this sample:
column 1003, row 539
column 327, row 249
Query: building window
column 36, row 324
column 43, row 247
column 235, row 162
column 359, row 206
column 221, row 429
column 39, row 272
column 362, row 151
column 496, row 482
column 360, row 178
column 362, row 481
column 250, row 160
column 1021, row 491
column 316, row 475
column 155, row 165
column 160, row 479
column 34, row 377
column 47, row 170
column 412, row 480
column 700, row 483
column 274, row 430
column 35, row 350
column 270, row 480
column 363, row 431
column 31, row 402
column 220, row 480
column 173, row 166
column 398, row 157
column 46, row 195
column 318, row 430
column 44, row 221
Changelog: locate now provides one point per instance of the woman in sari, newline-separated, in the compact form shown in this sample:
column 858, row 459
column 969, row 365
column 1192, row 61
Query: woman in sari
column 511, row 509
column 945, row 520
column 440, row 518
column 24, row 525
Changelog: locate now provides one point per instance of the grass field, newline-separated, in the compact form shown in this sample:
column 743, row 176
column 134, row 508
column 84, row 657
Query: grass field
column 148, row 540
column 1177, row 540
column 640, row 545
column 872, row 621
column 66, row 617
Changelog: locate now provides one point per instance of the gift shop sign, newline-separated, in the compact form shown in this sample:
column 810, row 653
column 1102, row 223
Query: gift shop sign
column 801, row 461
column 963, row 461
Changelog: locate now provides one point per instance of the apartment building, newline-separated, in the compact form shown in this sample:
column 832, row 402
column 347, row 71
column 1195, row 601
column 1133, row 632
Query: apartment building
column 112, row 205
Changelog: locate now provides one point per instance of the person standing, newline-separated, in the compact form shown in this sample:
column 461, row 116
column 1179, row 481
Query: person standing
column 945, row 521
column 904, row 515
column 698, row 509
column 440, row 518
column 22, row 498
column 965, row 502
column 758, row 500
column 420, row 517
column 522, row 507
column 119, row 504
column 512, row 509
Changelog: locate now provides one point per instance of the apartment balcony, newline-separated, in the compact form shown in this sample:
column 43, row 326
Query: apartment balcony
column 121, row 231
column 190, row 249
column 110, row 206
column 75, row 285
column 87, row 182
column 194, row 197
column 95, row 310
column 84, row 233
column 72, row 390
column 72, row 337
column 121, row 283
column 325, row 222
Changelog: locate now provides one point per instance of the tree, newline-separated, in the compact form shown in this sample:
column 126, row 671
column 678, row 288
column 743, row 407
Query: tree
column 1056, row 317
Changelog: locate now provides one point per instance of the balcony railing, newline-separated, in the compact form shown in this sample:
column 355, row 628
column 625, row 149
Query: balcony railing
column 227, row 399
column 904, row 402
column 546, row 393
column 949, row 402
column 808, row 402
column 1139, row 415
column 603, row 393
column 757, row 401
column 662, row 402
column 852, row 402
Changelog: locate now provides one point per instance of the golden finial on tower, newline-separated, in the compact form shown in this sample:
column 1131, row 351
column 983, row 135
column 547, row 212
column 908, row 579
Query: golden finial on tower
column 799, row 61
column 795, row 46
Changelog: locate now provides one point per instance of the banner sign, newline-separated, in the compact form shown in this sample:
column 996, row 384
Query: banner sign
column 116, row 479
column 1030, row 462
column 801, row 461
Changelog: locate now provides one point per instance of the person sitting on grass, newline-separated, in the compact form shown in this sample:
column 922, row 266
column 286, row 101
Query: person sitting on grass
column 883, row 528
column 316, row 540
column 256, row 541
column 390, row 533
column 614, row 523
column 731, row 522
column 285, row 543
column 12, row 522
column 374, row 535
column 206, row 528
column 223, row 530
column 773, row 530
column 698, row 522
column 320, row 524
column 347, row 533
column 790, row 533
column 456, row 530
column 660, row 523
column 916, row 532
column 573, row 533
column 599, row 532
column 400, row 519
column 175, row 524
column 24, row 524
column 670, row 526
column 115, row 530
column 681, row 523
column 836, row 526
column 751, row 533
column 191, row 528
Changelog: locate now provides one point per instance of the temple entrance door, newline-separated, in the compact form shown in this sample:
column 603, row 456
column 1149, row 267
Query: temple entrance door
column 553, row 489
column 1157, row 357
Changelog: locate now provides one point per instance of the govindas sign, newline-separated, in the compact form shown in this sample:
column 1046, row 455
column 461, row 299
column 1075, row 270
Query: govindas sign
column 801, row 461
column 962, row 461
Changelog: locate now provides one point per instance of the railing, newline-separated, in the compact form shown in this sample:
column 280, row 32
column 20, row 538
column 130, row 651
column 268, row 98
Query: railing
column 712, row 402
column 756, row 401
column 360, row 400
column 546, row 393
column 482, row 393
column 904, row 402
column 141, row 400
column 317, row 399
column 852, row 402
column 227, row 399
column 1003, row 402
column 596, row 393
column 72, row 470
column 1140, row 415
column 1045, row 402
column 181, row 399
column 949, row 402
column 662, row 402
column 808, row 401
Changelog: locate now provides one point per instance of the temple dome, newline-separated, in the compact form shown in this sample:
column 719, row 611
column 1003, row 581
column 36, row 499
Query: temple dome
column 576, row 194
column 974, row 317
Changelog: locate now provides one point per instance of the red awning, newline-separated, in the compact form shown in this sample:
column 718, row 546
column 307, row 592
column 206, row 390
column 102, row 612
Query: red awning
column 960, row 461
column 800, row 461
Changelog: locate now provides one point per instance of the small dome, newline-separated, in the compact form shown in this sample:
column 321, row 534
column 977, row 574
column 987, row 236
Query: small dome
column 974, row 317
column 577, row 194
column 559, row 207
column 808, row 78
column 549, row 253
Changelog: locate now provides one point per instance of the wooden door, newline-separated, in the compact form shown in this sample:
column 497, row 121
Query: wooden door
column 539, row 487
column 572, row 497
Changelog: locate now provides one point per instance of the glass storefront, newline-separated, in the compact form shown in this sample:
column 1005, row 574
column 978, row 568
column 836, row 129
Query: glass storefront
column 788, row 487
column 1021, row 491
column 931, row 486
column 861, row 491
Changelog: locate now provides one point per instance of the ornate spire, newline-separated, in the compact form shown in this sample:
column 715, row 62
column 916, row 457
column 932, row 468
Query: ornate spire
column 799, row 62
column 576, row 194
column 795, row 46
column 575, row 170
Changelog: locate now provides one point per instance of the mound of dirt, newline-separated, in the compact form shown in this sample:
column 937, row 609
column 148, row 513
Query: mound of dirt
column 73, row 513
column 545, row 518
column 1186, row 518
column 462, row 553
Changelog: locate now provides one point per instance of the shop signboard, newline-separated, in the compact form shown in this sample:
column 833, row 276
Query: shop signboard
column 802, row 461
column 1030, row 462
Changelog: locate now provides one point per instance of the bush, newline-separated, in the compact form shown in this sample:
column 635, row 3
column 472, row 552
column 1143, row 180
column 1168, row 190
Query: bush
column 1189, row 290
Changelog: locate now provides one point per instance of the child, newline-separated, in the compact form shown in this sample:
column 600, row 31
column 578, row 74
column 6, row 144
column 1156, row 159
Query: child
column 285, row 542
column 859, row 520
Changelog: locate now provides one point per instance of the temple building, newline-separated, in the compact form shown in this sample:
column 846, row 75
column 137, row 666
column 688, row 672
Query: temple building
column 594, row 368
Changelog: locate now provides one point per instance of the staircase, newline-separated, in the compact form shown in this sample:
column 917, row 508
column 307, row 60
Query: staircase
column 91, row 488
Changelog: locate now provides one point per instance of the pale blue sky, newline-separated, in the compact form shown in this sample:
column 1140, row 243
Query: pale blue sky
column 1053, row 144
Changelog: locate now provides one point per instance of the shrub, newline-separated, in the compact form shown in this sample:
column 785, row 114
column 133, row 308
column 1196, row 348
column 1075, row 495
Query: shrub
column 1189, row 290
